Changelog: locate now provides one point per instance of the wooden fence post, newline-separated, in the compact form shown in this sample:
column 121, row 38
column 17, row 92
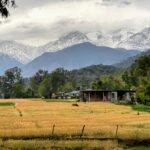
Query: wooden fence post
column 53, row 129
column 82, row 131
column 117, row 131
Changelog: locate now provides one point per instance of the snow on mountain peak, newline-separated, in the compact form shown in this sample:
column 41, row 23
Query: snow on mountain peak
column 121, row 38
column 74, row 36
column 68, row 40
column 138, row 41
column 20, row 52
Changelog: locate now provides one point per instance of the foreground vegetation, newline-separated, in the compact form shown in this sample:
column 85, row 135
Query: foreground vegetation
column 31, row 123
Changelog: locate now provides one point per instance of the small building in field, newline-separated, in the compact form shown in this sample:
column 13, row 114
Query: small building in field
column 106, row 95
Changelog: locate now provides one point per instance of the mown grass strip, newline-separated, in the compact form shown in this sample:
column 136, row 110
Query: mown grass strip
column 7, row 104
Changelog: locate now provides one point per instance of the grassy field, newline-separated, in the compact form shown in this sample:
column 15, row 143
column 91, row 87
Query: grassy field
column 7, row 104
column 29, row 124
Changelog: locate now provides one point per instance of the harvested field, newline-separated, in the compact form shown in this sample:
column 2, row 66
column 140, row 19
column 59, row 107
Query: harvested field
column 35, row 119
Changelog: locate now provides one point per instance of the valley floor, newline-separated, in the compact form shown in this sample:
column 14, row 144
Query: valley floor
column 39, row 124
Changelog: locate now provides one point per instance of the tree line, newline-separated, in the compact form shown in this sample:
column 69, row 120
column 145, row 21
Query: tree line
column 42, row 84
column 46, row 85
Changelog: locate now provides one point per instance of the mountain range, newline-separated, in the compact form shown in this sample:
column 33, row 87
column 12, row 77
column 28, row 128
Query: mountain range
column 83, row 49
column 19, row 52
column 122, row 38
column 77, row 56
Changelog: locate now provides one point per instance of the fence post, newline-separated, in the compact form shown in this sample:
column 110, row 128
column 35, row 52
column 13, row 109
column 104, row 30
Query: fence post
column 117, row 131
column 53, row 129
column 82, row 131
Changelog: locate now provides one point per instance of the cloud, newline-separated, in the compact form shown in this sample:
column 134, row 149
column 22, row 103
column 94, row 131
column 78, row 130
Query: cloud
column 116, row 2
column 47, row 20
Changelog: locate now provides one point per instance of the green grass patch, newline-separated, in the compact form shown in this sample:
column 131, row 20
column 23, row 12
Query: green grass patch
column 7, row 104
column 138, row 107
column 143, row 108
column 139, row 148
column 61, row 100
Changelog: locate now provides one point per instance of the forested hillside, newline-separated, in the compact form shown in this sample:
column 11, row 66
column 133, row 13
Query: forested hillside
column 129, row 61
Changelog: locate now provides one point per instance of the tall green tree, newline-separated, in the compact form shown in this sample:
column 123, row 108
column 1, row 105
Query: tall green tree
column 109, row 82
column 58, row 79
column 56, row 82
column 36, row 80
column 12, row 83
column 45, row 88
column 138, row 77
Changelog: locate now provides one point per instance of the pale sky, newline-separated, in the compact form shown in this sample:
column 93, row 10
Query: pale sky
column 36, row 22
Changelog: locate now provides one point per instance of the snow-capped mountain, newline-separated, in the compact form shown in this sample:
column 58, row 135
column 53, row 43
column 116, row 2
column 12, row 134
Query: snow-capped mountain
column 121, row 35
column 100, row 38
column 25, row 54
column 121, row 38
column 68, row 40
column 139, row 40
column 110, row 39
column 19, row 52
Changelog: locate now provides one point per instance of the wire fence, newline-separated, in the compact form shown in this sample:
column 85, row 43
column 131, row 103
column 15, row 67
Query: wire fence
column 101, row 132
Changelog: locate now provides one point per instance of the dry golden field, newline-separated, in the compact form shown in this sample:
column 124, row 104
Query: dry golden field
column 31, row 119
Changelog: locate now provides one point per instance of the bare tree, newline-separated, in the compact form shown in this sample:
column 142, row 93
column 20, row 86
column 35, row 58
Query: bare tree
column 4, row 6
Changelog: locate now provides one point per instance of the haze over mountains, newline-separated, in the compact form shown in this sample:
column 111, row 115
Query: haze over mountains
column 75, row 50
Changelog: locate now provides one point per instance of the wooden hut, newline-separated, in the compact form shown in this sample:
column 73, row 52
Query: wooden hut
column 106, row 95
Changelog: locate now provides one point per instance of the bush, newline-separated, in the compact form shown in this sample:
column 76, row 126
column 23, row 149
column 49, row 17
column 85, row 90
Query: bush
column 140, row 97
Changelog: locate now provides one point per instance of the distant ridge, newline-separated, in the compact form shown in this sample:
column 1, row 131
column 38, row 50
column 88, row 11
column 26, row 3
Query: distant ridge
column 128, row 62
column 77, row 56
column 7, row 62
column 91, row 73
